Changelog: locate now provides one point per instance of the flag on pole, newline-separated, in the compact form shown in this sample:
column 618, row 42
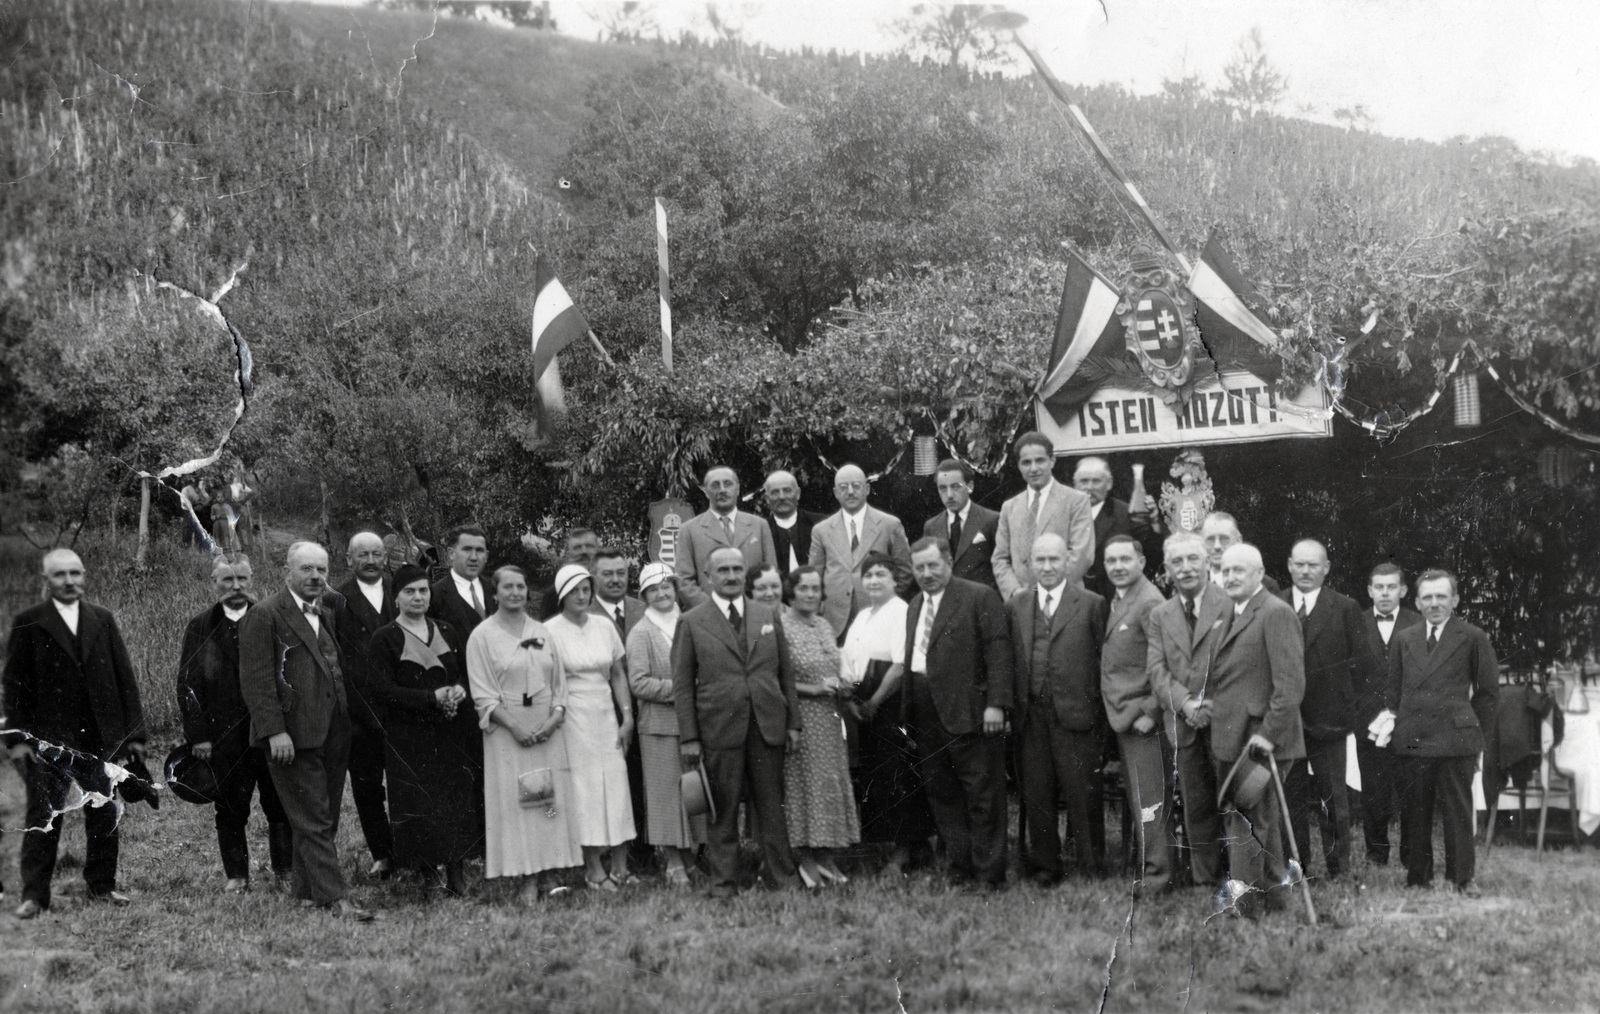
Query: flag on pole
column 1089, row 339
column 1230, row 312
column 661, row 279
column 556, row 324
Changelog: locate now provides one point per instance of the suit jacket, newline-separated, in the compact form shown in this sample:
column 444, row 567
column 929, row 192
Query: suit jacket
column 209, row 701
column 970, row 664
column 1124, row 677
column 445, row 603
column 1179, row 660
column 974, row 558
column 1443, row 700
column 720, row 678
column 1258, row 678
column 831, row 553
column 703, row 534
column 287, row 682
column 46, row 666
column 798, row 538
column 1065, row 513
column 357, row 621
column 632, row 612
column 1336, row 651
column 1072, row 668
column 1371, row 687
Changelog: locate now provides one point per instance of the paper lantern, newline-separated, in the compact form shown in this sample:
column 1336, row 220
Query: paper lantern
column 924, row 455
column 1468, row 412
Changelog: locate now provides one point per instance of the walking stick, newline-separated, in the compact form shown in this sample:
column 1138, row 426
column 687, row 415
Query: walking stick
column 1288, row 833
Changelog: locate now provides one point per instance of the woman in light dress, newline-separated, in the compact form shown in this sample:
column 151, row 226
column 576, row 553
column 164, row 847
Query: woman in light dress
column 667, row 826
column 894, row 810
column 520, row 691
column 591, row 655
column 818, row 802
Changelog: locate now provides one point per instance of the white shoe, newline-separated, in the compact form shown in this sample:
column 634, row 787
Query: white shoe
column 237, row 885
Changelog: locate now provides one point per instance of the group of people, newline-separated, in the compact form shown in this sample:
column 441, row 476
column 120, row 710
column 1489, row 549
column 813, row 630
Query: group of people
column 839, row 684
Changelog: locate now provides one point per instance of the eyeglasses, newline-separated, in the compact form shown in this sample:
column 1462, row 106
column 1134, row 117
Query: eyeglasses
column 849, row 487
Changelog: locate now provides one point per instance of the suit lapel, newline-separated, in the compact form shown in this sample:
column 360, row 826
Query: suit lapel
column 302, row 627
column 1243, row 620
column 720, row 626
column 1211, row 608
column 1027, row 618
column 1065, row 609
column 53, row 622
column 969, row 528
column 1451, row 638
column 941, row 619
column 869, row 531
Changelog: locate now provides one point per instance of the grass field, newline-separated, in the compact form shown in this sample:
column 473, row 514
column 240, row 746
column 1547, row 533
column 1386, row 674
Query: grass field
column 1526, row 945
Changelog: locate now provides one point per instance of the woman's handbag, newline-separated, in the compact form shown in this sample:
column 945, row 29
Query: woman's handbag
column 536, row 788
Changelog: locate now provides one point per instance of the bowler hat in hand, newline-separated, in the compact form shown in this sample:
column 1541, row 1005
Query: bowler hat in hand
column 696, row 789
column 190, row 777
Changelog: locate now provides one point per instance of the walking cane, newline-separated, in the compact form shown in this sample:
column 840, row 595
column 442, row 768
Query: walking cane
column 1288, row 833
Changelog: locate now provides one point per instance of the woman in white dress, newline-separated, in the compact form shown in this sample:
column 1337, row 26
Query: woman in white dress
column 520, row 692
column 597, row 689
column 894, row 809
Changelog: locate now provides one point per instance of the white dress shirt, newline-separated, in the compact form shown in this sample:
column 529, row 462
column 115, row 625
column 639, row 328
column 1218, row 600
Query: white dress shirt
column 234, row 614
column 464, row 585
column 1094, row 510
column 787, row 524
column 1049, row 599
column 373, row 593
column 314, row 617
column 930, row 610
column 854, row 524
column 1386, row 624
column 723, row 604
column 1436, row 630
column 69, row 614
column 1306, row 600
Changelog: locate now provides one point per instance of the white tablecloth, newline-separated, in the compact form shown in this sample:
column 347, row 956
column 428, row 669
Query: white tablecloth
column 1579, row 754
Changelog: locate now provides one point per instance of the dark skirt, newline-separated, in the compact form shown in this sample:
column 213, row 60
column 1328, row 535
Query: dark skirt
column 435, row 799
column 894, row 807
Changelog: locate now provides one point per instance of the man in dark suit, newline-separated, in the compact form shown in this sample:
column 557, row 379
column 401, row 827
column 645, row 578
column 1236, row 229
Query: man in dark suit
column 1443, row 680
column 292, row 678
column 721, row 524
column 368, row 598
column 1386, row 585
column 969, row 528
column 790, row 526
column 462, row 598
column 1092, row 476
column 1257, row 680
column 1184, row 632
column 1336, row 651
column 68, row 682
column 959, row 660
column 1133, row 708
column 733, row 685
column 1056, row 632
column 217, row 725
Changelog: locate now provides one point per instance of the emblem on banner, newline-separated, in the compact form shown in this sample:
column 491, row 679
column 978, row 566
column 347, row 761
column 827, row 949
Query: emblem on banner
column 1157, row 315
column 1185, row 506
column 666, row 517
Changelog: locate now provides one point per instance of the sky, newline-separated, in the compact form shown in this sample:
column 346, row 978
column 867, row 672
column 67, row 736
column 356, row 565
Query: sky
column 1431, row 69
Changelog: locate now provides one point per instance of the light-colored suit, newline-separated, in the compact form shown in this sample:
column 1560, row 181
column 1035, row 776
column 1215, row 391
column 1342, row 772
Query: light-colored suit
column 1125, row 688
column 831, row 553
column 1065, row 512
column 703, row 534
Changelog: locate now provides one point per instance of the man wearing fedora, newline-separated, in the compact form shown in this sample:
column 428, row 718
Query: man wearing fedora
column 733, row 687
column 1257, row 681
column 217, row 725
column 68, row 682
column 292, row 678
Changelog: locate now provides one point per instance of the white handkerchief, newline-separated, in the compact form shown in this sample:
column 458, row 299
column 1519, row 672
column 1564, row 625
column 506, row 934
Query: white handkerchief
column 978, row 538
column 1123, row 627
column 766, row 628
column 1215, row 624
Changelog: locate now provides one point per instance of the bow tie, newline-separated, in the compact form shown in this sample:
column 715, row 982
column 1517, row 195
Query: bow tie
column 1386, row 617
column 309, row 609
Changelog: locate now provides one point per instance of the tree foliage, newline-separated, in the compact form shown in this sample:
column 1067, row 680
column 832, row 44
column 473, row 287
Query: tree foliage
column 1254, row 83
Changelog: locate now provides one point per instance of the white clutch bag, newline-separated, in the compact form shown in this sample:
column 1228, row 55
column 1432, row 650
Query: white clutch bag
column 536, row 788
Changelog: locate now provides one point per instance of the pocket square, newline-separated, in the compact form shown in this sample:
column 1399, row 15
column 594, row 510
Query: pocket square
column 978, row 538
column 1215, row 624
column 766, row 628
column 1123, row 627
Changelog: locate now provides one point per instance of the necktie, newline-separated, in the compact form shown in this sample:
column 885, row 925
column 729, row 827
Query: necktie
column 855, row 539
column 727, row 528
column 1302, row 610
column 1188, row 613
column 1050, row 604
column 477, row 601
column 1033, row 504
column 1433, row 638
column 925, row 634
column 734, row 618
column 955, row 532
column 622, row 623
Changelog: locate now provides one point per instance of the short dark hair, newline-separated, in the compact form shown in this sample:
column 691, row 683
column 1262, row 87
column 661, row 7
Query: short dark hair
column 1125, row 537
column 453, row 536
column 1033, row 438
column 933, row 542
column 1386, row 568
column 609, row 553
column 1436, row 574
column 753, row 575
column 952, row 465
column 880, row 559
column 793, row 578
column 573, row 533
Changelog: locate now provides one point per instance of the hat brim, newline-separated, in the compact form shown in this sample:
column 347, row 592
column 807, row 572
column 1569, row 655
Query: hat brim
column 696, row 790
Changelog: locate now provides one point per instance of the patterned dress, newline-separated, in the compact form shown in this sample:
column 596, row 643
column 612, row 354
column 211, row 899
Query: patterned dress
column 818, row 801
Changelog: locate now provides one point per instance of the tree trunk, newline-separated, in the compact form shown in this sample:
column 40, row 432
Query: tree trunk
column 327, row 533
column 144, row 522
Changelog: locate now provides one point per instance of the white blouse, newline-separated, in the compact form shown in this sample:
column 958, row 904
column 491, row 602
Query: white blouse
column 875, row 635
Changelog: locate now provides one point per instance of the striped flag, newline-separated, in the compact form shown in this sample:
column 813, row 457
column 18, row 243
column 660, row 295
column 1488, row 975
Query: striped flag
column 556, row 324
column 661, row 280
column 1088, row 338
column 1229, row 312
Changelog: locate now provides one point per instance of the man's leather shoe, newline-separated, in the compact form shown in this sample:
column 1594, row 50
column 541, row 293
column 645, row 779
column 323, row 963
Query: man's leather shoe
column 1469, row 890
column 236, row 885
column 28, row 909
column 344, row 908
column 116, row 898
column 723, row 891
column 383, row 869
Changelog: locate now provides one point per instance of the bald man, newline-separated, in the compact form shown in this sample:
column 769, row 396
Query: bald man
column 68, row 681
column 842, row 540
column 722, row 524
column 791, row 527
column 292, row 676
column 365, row 602
column 1257, row 681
